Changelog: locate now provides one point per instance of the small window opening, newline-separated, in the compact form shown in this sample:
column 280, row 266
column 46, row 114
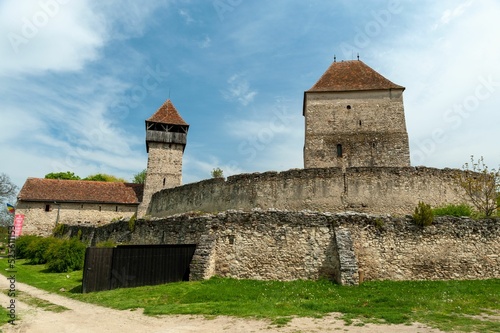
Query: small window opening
column 360, row 123
column 374, row 144
column 348, row 107
column 99, row 208
column 339, row 150
column 163, row 181
column 82, row 206
column 116, row 208
column 47, row 208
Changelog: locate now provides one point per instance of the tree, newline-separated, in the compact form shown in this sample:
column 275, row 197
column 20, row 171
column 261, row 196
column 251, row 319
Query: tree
column 481, row 185
column 8, row 191
column 62, row 175
column 140, row 178
column 217, row 173
column 102, row 177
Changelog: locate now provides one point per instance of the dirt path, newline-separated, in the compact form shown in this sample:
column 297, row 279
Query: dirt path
column 83, row 318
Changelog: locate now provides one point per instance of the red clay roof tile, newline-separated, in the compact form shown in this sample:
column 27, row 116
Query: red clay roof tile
column 352, row 75
column 40, row 189
column 167, row 114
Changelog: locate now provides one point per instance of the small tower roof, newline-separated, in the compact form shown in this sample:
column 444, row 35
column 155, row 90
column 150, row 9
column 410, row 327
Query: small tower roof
column 352, row 75
column 167, row 114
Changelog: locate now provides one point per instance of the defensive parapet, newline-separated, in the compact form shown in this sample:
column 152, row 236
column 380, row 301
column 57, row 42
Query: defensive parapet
column 375, row 190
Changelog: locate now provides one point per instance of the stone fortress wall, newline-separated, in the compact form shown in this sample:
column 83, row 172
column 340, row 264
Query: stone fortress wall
column 344, row 247
column 374, row 190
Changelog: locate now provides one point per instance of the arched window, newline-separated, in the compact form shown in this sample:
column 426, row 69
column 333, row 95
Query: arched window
column 339, row 150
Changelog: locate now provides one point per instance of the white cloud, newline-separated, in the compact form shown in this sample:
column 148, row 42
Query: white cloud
column 442, row 69
column 239, row 90
column 52, row 35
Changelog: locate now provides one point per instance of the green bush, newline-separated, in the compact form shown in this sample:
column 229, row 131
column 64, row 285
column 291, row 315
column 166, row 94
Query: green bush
column 37, row 250
column 453, row 210
column 66, row 256
column 22, row 243
column 423, row 215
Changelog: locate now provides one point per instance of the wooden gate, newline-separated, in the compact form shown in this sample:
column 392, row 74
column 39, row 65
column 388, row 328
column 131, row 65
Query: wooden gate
column 136, row 265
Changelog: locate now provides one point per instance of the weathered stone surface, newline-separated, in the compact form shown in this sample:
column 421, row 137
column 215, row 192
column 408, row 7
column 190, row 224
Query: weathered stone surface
column 164, row 170
column 41, row 222
column 284, row 245
column 375, row 190
column 369, row 125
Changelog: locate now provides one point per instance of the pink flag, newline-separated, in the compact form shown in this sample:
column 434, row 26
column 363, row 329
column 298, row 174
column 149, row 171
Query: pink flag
column 18, row 224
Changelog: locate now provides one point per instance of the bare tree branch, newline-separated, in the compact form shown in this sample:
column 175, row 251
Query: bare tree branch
column 481, row 185
column 7, row 188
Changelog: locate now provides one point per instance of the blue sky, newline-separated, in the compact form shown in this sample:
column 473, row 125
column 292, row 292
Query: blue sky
column 79, row 77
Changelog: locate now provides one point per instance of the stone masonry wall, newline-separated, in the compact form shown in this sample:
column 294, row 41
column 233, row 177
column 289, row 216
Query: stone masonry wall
column 39, row 222
column 395, row 191
column 369, row 125
column 164, row 170
column 283, row 245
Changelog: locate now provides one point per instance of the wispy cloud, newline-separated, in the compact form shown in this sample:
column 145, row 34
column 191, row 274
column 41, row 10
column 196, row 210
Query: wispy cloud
column 239, row 90
column 187, row 17
column 451, row 14
column 205, row 43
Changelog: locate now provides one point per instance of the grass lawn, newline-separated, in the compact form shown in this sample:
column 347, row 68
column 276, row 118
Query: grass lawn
column 447, row 305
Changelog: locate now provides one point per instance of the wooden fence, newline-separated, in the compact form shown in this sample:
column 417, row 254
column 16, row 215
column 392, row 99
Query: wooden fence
column 135, row 265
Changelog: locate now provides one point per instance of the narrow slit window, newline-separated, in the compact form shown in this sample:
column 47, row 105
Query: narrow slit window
column 163, row 181
column 339, row 150
column 360, row 123
column 99, row 208
column 116, row 208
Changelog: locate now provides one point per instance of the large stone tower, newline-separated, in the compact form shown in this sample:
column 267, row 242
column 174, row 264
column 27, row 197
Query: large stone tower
column 166, row 137
column 354, row 117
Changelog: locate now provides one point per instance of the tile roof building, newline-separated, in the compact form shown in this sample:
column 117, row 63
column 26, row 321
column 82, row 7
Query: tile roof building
column 48, row 202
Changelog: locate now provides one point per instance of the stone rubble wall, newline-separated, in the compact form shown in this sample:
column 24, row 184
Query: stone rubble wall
column 374, row 190
column 284, row 245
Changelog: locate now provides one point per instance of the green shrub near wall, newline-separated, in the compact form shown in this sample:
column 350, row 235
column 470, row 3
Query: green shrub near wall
column 453, row 210
column 66, row 256
column 37, row 250
column 22, row 244
column 423, row 215
column 59, row 255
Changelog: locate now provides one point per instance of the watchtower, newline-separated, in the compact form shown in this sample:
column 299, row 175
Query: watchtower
column 166, row 137
column 354, row 117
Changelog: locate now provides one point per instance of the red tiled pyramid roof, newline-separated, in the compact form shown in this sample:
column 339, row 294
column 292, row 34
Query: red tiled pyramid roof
column 167, row 114
column 40, row 189
column 352, row 75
